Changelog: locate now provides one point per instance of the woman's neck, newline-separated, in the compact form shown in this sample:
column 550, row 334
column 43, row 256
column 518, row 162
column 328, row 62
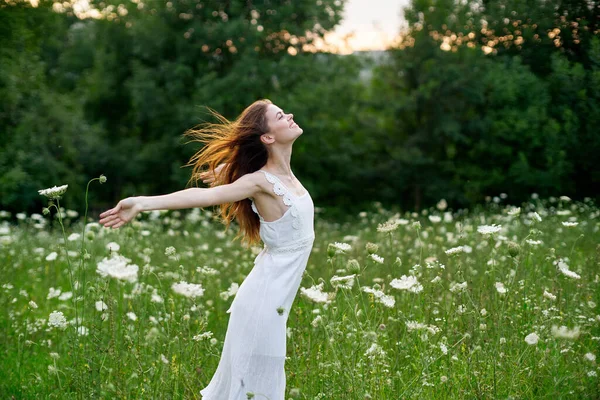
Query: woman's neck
column 279, row 163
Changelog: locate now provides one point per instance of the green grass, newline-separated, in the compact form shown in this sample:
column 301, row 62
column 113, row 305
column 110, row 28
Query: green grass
column 359, row 348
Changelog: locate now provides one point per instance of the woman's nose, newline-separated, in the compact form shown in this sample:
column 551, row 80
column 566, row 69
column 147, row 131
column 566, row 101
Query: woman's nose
column 291, row 115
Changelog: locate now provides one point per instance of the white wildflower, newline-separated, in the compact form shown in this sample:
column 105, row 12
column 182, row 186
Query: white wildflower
column 233, row 288
column 388, row 226
column 52, row 256
column 113, row 246
column 386, row 300
column 514, row 211
column 414, row 325
column 101, row 306
column 315, row 293
column 344, row 282
column 456, row 287
column 500, row 287
column 565, row 333
column 532, row 338
column 534, row 242
column 376, row 258
column 342, row 247
column 57, row 320
column 455, row 250
column 117, row 267
column 202, row 336
column 549, row 295
column 564, row 268
column 54, row 192
column 442, row 205
column 131, row 315
column 489, row 229
column 435, row 218
column 443, row 348
column 188, row 289
column 570, row 224
column 374, row 351
column 409, row 283
column 315, row 322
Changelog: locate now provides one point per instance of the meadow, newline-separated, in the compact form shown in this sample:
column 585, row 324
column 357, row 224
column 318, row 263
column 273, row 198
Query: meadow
column 500, row 301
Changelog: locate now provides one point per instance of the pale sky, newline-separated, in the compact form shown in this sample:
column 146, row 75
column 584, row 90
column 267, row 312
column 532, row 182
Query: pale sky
column 375, row 23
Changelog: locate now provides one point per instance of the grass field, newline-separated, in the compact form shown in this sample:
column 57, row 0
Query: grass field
column 495, row 302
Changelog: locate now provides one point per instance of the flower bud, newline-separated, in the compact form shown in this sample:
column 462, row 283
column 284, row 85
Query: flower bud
column 513, row 249
column 330, row 250
column 353, row 266
column 372, row 248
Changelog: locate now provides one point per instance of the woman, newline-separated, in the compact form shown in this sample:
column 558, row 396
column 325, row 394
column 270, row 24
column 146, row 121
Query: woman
column 256, row 186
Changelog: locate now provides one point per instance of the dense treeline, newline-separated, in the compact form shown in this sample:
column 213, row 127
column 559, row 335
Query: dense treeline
column 474, row 100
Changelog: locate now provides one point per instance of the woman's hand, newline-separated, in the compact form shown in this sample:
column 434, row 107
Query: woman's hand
column 209, row 176
column 122, row 213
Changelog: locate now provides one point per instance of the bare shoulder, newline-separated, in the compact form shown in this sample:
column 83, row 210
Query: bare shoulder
column 258, row 178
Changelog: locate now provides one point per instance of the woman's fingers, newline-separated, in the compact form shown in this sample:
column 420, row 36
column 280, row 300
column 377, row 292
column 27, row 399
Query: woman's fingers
column 111, row 222
column 111, row 211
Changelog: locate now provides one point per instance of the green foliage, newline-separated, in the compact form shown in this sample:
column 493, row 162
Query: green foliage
column 513, row 108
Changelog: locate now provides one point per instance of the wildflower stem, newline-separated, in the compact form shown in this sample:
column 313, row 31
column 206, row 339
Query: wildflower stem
column 81, row 255
column 60, row 221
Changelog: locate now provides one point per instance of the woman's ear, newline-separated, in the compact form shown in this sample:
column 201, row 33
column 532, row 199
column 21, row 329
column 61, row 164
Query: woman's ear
column 267, row 138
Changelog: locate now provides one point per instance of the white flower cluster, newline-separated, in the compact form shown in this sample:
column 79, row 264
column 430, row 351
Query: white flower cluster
column 376, row 258
column 386, row 300
column 565, row 333
column 57, row 320
column 549, row 295
column 456, row 287
column 188, row 289
column 414, row 325
column 341, row 246
column 514, row 211
column 409, row 283
column 233, row 288
column 315, row 293
column 564, row 268
column 202, row 336
column 488, row 229
column 54, row 192
column 570, row 224
column 118, row 267
column 455, row 250
column 500, row 288
column 344, row 282
column 375, row 351
column 532, row 338
column 388, row 226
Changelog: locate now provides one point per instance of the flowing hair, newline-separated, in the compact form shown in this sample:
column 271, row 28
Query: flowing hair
column 236, row 143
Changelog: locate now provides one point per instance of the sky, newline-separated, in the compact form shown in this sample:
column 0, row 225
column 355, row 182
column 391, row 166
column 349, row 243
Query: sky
column 374, row 24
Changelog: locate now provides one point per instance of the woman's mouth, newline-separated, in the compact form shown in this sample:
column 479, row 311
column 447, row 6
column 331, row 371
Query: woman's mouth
column 293, row 125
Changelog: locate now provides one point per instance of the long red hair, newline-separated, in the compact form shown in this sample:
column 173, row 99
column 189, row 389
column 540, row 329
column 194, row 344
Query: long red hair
column 238, row 144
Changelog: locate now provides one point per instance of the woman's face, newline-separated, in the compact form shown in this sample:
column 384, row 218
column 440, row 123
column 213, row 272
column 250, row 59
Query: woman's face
column 282, row 128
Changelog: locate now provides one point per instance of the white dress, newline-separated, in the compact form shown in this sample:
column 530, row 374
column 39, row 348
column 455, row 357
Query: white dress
column 254, row 348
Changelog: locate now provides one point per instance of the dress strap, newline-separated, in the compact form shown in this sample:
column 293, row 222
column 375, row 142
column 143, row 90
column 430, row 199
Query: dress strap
column 278, row 187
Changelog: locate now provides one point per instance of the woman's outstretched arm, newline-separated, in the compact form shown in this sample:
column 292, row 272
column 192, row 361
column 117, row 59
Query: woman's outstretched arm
column 128, row 208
